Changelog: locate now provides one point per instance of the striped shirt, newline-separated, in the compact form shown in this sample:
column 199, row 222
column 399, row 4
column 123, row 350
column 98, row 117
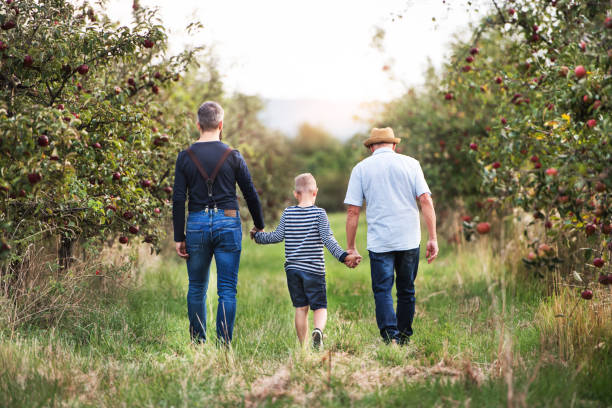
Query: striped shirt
column 305, row 230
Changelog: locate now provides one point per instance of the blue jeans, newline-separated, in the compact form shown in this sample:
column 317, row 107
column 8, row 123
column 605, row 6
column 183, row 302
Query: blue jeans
column 212, row 233
column 405, row 264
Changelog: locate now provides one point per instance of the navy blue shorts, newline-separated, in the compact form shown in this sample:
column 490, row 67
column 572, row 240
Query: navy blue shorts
column 307, row 289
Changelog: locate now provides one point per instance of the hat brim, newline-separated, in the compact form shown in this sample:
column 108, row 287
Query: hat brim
column 377, row 139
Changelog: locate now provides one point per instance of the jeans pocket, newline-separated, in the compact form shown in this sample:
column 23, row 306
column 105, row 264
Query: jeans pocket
column 193, row 239
column 230, row 239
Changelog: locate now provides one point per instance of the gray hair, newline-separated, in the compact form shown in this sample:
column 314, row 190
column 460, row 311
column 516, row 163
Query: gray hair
column 210, row 114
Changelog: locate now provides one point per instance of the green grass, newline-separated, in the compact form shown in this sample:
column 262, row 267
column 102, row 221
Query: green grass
column 134, row 349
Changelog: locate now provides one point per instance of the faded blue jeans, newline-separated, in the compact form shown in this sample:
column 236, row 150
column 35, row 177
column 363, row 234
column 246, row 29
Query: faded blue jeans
column 212, row 234
column 382, row 265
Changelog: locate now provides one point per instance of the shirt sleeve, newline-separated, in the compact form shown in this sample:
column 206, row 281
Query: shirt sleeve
column 354, row 192
column 273, row 237
column 420, row 185
column 243, row 177
column 327, row 237
column 179, row 197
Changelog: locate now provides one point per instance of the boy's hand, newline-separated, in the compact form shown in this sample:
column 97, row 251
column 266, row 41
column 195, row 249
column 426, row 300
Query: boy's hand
column 253, row 231
column 352, row 260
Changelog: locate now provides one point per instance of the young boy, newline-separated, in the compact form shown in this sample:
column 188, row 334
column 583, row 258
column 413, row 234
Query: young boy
column 305, row 229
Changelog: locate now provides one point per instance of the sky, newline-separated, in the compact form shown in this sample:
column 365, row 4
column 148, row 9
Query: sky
column 316, row 49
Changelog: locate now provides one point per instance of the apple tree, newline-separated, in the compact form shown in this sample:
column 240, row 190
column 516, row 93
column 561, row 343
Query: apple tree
column 86, row 147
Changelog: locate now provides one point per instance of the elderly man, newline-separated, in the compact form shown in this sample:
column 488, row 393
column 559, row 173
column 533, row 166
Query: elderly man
column 391, row 184
column 208, row 171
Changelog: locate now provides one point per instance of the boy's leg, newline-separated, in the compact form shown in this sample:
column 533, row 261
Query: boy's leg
column 316, row 292
column 406, row 266
column 320, row 318
column 301, row 322
column 295, row 284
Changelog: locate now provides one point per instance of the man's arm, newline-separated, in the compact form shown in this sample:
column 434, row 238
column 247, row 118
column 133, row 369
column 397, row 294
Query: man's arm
column 243, row 177
column 352, row 221
column 179, row 196
column 429, row 214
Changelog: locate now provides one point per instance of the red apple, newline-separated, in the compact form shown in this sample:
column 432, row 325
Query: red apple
column 123, row 240
column 563, row 71
column 469, row 59
column 134, row 229
column 34, row 178
column 531, row 255
column 466, row 218
column 117, row 90
column 165, row 138
column 579, row 71
column 448, row 96
column 149, row 239
column 8, row 25
column 128, row 215
column 511, row 11
column 551, row 171
column 157, row 75
column 582, row 46
column 498, row 80
column 600, row 187
column 608, row 22
column 97, row 145
column 145, row 183
column 496, row 165
column 473, row 146
column 474, row 51
column 111, row 207
column 598, row 262
column 504, row 121
column 596, row 104
column 587, row 294
column 168, row 189
column 603, row 279
column 131, row 82
column 3, row 46
column 535, row 159
column 148, row 43
column 590, row 229
column 548, row 225
column 157, row 211
column 28, row 61
column 43, row 140
column 155, row 89
column 591, row 123
column 116, row 176
column 537, row 165
column 606, row 228
column 466, row 68
column 535, row 28
column 83, row 69
column 483, row 227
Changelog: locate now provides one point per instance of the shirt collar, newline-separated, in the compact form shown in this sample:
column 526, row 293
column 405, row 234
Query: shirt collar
column 382, row 150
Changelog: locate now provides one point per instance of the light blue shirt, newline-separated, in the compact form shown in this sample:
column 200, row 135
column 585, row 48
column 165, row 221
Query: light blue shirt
column 390, row 184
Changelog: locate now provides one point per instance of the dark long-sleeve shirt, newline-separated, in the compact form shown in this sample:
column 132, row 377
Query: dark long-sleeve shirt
column 305, row 230
column 188, row 180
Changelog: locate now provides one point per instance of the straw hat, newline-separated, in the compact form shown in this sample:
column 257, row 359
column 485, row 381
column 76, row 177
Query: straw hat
column 384, row 135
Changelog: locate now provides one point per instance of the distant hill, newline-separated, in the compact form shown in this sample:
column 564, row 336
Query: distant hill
column 338, row 118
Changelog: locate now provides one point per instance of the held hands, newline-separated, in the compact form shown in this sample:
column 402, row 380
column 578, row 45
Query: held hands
column 181, row 250
column 432, row 250
column 352, row 259
column 253, row 231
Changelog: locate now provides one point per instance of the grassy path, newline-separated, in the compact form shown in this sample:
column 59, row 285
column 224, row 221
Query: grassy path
column 478, row 341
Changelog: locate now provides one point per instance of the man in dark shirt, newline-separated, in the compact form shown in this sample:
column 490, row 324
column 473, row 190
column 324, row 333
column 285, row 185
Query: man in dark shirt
column 208, row 172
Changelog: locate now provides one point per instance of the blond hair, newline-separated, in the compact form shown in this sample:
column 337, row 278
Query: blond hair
column 305, row 182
